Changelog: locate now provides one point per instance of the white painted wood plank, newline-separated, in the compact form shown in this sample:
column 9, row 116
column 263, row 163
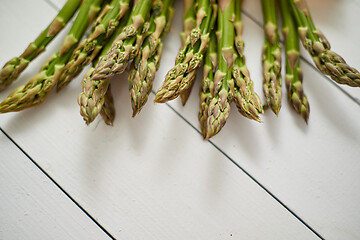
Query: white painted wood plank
column 147, row 178
column 338, row 20
column 150, row 177
column 32, row 207
column 313, row 169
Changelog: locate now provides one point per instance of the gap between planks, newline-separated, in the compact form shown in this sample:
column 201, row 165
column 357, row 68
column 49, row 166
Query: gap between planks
column 58, row 185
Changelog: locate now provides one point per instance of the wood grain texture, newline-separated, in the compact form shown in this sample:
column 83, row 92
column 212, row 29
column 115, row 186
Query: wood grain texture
column 32, row 207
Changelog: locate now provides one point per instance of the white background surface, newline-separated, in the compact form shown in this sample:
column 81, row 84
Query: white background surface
column 153, row 177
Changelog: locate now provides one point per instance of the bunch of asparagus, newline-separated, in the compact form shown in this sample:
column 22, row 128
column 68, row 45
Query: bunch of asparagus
column 123, row 30
column 128, row 34
column 225, row 75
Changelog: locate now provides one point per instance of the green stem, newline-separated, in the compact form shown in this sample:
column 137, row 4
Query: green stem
column 108, row 44
column 269, row 10
column 82, row 21
column 304, row 21
column 16, row 65
column 189, row 18
column 91, row 46
column 271, row 58
column 59, row 22
column 292, row 41
column 226, row 41
column 36, row 90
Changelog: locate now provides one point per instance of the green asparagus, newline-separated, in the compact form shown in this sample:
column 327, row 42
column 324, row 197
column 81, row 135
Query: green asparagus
column 327, row 61
column 91, row 46
column 108, row 109
column 207, row 84
column 15, row 66
column 242, row 88
column 189, row 58
column 36, row 90
column 219, row 103
column 293, row 77
column 188, row 25
column 231, row 81
column 147, row 62
column 124, row 49
column 271, row 57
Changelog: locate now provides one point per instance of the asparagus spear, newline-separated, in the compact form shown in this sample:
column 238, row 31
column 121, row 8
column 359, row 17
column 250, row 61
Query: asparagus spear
column 15, row 66
column 327, row 61
column 142, row 73
column 247, row 101
column 271, row 57
column 189, row 20
column 189, row 24
column 36, row 90
column 185, row 94
column 124, row 49
column 189, row 58
column 232, row 79
column 293, row 77
column 108, row 109
column 207, row 84
column 219, row 104
column 91, row 46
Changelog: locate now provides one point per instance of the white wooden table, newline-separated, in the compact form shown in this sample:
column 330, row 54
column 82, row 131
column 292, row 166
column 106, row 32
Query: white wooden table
column 153, row 177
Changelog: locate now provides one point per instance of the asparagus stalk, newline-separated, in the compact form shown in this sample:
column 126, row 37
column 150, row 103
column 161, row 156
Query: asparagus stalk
column 271, row 57
column 207, row 84
column 142, row 73
column 184, row 95
column 108, row 109
column 219, row 104
column 247, row 101
column 189, row 24
column 15, row 66
column 189, row 58
column 124, row 49
column 294, row 76
column 189, row 20
column 327, row 61
column 91, row 46
column 36, row 90
column 231, row 81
